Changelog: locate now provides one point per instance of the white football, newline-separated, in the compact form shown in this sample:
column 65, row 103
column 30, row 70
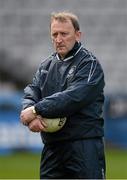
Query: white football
column 54, row 125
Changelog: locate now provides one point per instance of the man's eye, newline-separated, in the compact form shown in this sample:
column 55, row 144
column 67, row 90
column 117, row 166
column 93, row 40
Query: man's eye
column 54, row 35
column 64, row 34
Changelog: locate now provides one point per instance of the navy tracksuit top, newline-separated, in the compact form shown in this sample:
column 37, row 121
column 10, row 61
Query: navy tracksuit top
column 72, row 88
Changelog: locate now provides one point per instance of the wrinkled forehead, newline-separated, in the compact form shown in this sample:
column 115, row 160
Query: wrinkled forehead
column 61, row 20
column 58, row 26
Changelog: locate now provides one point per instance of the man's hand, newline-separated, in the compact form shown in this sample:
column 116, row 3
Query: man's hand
column 27, row 115
column 37, row 125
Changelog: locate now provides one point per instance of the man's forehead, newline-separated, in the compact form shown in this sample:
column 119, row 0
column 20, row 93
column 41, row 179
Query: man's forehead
column 58, row 23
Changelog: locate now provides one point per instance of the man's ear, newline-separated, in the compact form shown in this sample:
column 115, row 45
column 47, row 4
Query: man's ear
column 78, row 35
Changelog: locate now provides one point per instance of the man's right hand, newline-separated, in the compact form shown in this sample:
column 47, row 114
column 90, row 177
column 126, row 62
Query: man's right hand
column 37, row 125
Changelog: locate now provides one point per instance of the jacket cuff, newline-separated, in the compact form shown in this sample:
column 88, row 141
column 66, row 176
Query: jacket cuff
column 37, row 109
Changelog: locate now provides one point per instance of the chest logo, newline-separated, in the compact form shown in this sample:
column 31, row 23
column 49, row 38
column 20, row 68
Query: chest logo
column 71, row 72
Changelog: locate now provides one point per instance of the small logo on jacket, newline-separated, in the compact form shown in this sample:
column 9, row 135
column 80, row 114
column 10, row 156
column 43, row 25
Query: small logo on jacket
column 71, row 72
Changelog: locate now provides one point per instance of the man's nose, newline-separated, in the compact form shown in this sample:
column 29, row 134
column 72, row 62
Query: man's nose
column 58, row 38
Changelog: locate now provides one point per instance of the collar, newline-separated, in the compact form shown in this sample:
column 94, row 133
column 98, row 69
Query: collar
column 71, row 53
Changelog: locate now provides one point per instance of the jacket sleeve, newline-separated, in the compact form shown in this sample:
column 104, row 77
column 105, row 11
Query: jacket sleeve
column 32, row 93
column 86, row 85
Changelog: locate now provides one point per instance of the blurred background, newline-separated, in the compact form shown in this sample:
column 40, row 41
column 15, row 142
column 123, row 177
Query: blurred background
column 25, row 42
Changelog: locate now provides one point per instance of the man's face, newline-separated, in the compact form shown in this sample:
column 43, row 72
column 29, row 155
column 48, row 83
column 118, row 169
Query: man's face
column 63, row 36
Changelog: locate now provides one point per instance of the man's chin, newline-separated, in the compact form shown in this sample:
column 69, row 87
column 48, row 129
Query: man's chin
column 62, row 53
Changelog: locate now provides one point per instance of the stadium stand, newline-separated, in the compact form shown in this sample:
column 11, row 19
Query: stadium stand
column 24, row 35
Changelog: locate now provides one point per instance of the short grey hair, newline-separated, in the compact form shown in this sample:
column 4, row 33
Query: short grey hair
column 64, row 16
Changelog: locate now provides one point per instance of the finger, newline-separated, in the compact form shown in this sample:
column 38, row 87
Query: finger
column 25, row 118
column 43, row 124
column 36, row 126
column 22, row 119
column 25, row 123
column 42, row 121
column 34, row 130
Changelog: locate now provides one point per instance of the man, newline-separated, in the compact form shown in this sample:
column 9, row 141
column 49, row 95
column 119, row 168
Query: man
column 68, row 84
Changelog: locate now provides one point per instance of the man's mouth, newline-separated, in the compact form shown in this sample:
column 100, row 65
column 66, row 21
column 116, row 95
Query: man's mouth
column 59, row 47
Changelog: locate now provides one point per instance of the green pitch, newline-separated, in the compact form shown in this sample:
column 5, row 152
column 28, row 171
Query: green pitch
column 26, row 165
column 20, row 166
column 116, row 164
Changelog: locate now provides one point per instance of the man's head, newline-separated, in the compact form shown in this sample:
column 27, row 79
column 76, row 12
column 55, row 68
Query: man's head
column 65, row 31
